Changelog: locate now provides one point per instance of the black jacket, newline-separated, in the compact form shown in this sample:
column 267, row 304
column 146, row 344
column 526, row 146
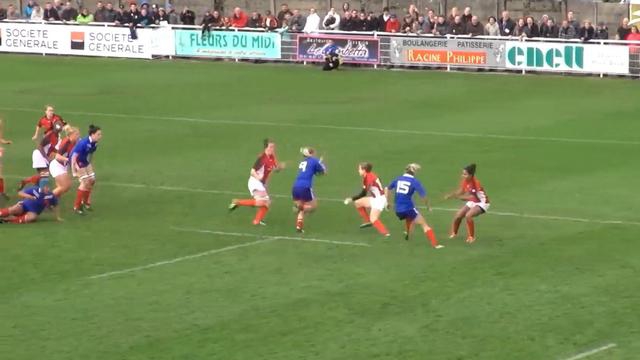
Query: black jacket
column 49, row 14
column 188, row 17
column 507, row 27
column 457, row 29
column 602, row 33
column 3, row 13
column 442, row 29
column 69, row 14
column 130, row 17
column 549, row 31
column 587, row 33
column 382, row 25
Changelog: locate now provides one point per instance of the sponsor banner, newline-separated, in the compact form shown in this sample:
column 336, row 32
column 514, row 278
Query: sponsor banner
column 74, row 40
column 576, row 57
column 353, row 49
column 228, row 44
column 437, row 51
column 163, row 41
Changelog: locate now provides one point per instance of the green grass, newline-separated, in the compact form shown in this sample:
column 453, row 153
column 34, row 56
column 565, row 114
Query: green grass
column 528, row 289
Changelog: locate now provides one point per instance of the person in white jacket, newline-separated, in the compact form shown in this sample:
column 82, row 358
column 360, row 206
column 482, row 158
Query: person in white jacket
column 37, row 14
column 332, row 20
column 313, row 22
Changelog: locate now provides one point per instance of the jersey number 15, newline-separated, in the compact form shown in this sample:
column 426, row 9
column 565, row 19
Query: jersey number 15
column 403, row 187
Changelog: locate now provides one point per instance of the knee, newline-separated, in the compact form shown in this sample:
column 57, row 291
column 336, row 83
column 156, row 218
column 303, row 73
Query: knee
column 469, row 217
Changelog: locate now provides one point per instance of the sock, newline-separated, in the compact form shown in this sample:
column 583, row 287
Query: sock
column 247, row 202
column 43, row 181
column 4, row 212
column 455, row 226
column 85, row 197
column 407, row 225
column 363, row 214
column 432, row 237
column 18, row 220
column 88, row 200
column 380, row 227
column 299, row 221
column 471, row 228
column 30, row 180
column 260, row 214
column 79, row 197
column 1, row 186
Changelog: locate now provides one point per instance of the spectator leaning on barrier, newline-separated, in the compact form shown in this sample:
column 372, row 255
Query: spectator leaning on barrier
column 313, row 22
column 372, row 22
column 543, row 22
column 188, row 17
column 566, row 31
column 507, row 26
column 239, row 19
column 12, row 12
column 431, row 17
column 424, row 26
column 407, row 25
column 474, row 27
column 85, row 17
column 50, row 13
column 457, row 28
column 120, row 15
column 174, row 19
column 393, row 25
column 284, row 11
column 297, row 21
column 550, row 30
column 383, row 19
column 634, row 50
column 492, row 28
column 587, row 32
column 99, row 14
column 69, row 13
column 602, row 32
column 441, row 28
column 346, row 23
column 362, row 24
column 270, row 21
column 573, row 22
column 3, row 12
column 145, row 19
column 161, row 17
column 332, row 20
column 28, row 9
column 520, row 30
column 623, row 30
column 130, row 17
column 109, row 13
column 255, row 21
column 36, row 13
column 532, row 30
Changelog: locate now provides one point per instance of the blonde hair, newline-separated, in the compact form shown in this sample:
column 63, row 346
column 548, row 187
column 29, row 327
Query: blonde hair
column 72, row 130
column 307, row 151
column 413, row 168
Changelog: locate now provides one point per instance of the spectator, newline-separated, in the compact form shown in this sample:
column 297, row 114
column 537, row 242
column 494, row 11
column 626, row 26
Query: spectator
column 543, row 22
column 331, row 21
column 239, row 19
column 550, row 30
column 297, row 21
column 131, row 16
column 69, row 13
column 474, row 27
column 372, row 22
column 407, row 24
column 623, row 30
column 441, row 28
column 492, row 28
column 520, row 28
column 255, row 21
column 413, row 12
column 101, row 13
column 361, row 23
column 109, row 13
column 59, row 6
column 432, row 18
column 602, row 32
column 575, row 24
column 285, row 23
column 36, row 13
column 454, row 12
column 284, row 10
column 188, row 17
column 423, row 25
column 174, row 19
column 29, row 9
column 458, row 27
column 634, row 50
column 3, row 13
column 507, row 26
column 532, row 30
column 313, row 22
column 587, row 32
column 145, row 19
column 393, row 25
column 85, row 17
column 206, row 23
column 270, row 21
column 566, row 31
column 466, row 15
column 12, row 12
column 346, row 8
column 161, row 17
column 50, row 13
column 634, row 35
column 346, row 24
column 119, row 15
column 383, row 19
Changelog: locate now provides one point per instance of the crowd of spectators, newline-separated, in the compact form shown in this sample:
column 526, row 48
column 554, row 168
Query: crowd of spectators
column 344, row 19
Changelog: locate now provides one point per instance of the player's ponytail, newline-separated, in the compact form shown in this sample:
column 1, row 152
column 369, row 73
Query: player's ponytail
column 93, row 129
column 412, row 168
column 470, row 169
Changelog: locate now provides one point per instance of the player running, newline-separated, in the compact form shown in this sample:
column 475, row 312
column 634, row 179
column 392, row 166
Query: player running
column 404, row 186
column 59, row 166
column 49, row 121
column 476, row 202
column 81, row 167
column 266, row 163
column 302, row 191
column 376, row 202
column 34, row 202
column 3, row 141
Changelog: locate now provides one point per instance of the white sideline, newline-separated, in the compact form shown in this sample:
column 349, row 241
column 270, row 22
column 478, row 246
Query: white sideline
column 178, row 259
column 347, row 128
column 274, row 237
column 592, row 352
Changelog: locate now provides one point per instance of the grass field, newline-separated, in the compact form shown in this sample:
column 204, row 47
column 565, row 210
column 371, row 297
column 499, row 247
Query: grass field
column 554, row 272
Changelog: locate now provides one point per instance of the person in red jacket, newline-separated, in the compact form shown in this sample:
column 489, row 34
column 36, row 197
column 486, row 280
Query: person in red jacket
column 634, row 51
column 239, row 19
column 393, row 25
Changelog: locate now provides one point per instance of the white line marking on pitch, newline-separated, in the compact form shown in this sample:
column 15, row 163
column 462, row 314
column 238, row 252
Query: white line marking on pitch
column 592, row 352
column 274, row 237
column 347, row 128
column 178, row 259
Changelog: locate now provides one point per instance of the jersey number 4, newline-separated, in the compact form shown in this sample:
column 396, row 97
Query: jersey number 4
column 403, row 187
column 303, row 166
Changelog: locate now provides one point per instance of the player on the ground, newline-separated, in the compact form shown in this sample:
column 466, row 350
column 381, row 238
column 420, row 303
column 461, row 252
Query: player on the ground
column 3, row 141
column 52, row 125
column 403, row 187
column 302, row 191
column 34, row 202
column 81, row 157
column 59, row 166
column 376, row 202
column 262, row 168
column 476, row 202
